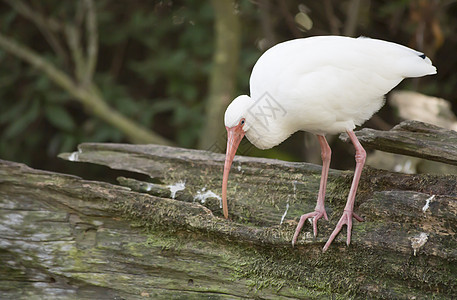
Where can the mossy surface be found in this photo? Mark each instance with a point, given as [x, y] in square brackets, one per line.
[136, 241]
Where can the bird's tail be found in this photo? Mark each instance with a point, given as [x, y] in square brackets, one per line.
[416, 65]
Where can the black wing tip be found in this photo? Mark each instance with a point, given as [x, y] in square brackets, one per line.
[422, 56]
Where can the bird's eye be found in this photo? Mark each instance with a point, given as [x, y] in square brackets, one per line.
[242, 121]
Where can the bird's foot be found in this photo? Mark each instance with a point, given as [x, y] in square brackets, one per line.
[346, 218]
[316, 215]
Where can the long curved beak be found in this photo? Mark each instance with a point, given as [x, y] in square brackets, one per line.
[234, 136]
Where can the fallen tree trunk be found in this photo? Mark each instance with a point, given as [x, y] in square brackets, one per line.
[64, 237]
[413, 138]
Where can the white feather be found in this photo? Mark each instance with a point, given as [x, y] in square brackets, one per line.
[326, 84]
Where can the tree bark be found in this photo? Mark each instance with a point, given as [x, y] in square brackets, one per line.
[63, 237]
[223, 74]
[413, 138]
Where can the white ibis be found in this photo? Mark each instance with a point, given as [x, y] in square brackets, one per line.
[323, 85]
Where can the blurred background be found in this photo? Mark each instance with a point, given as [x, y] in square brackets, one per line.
[164, 71]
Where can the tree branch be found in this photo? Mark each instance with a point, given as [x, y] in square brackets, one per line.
[73, 39]
[92, 42]
[46, 26]
[87, 96]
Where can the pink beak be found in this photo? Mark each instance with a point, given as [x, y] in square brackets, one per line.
[234, 136]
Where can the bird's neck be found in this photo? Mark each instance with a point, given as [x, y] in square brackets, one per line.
[264, 137]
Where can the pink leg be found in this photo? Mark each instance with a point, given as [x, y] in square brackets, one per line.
[348, 213]
[319, 211]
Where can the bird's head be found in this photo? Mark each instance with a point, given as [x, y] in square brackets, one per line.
[237, 124]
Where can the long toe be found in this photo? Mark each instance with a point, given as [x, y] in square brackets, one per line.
[343, 220]
[346, 219]
[316, 215]
[357, 217]
[303, 218]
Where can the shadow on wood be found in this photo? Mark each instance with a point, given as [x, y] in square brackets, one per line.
[63, 237]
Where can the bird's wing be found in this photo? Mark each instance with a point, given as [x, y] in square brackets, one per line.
[341, 79]
[368, 59]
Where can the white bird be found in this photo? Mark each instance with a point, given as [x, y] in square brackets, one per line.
[323, 85]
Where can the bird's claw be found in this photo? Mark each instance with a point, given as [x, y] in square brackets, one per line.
[346, 218]
[316, 215]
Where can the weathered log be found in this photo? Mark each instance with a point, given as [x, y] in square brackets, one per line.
[64, 237]
[413, 138]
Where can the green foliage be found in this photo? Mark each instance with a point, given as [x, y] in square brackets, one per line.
[155, 59]
[59, 117]
[153, 67]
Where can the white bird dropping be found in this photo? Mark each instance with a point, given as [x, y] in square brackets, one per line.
[285, 213]
[205, 194]
[73, 156]
[427, 204]
[174, 188]
[418, 241]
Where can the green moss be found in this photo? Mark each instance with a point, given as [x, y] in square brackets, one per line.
[250, 265]
[260, 256]
[77, 257]
[302, 272]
